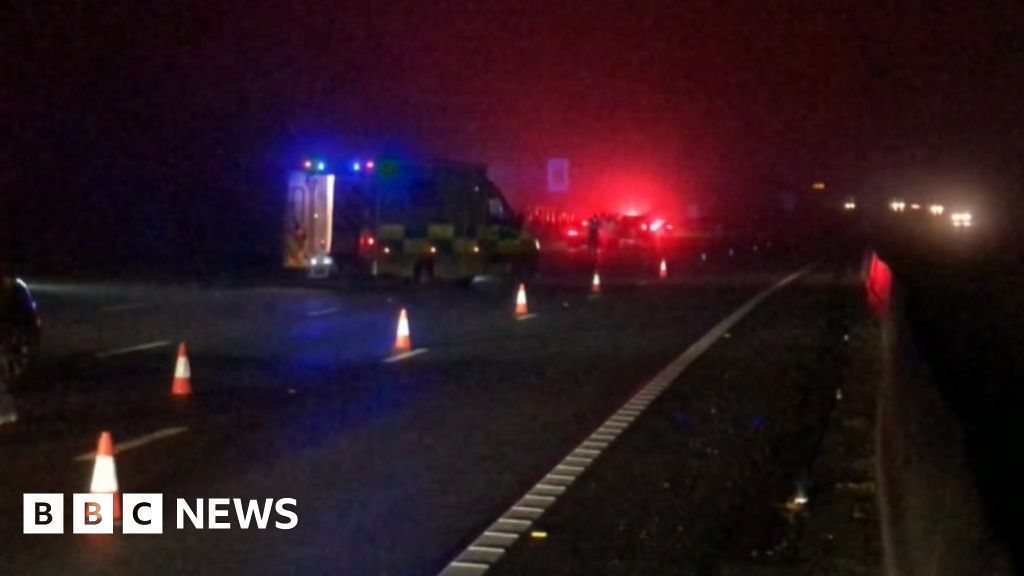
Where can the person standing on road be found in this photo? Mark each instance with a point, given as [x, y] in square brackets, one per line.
[593, 236]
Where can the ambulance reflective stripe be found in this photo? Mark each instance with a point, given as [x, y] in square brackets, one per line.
[441, 237]
[441, 231]
[387, 232]
[401, 240]
[466, 246]
[450, 249]
[506, 247]
[415, 246]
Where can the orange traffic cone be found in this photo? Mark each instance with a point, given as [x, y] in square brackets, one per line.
[104, 472]
[521, 309]
[595, 284]
[402, 341]
[663, 269]
[182, 385]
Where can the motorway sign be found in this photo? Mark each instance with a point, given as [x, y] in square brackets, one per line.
[558, 175]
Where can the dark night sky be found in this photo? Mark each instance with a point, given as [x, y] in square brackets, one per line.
[162, 120]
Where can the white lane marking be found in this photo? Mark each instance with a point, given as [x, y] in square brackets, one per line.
[548, 490]
[130, 349]
[137, 442]
[514, 521]
[324, 312]
[465, 569]
[513, 525]
[123, 307]
[524, 513]
[482, 553]
[529, 316]
[486, 553]
[404, 355]
[566, 471]
[507, 536]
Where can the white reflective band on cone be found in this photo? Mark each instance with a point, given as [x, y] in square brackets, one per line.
[104, 476]
[182, 368]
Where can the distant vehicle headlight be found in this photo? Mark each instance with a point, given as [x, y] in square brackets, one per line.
[961, 219]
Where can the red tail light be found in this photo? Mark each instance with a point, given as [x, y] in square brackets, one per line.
[879, 285]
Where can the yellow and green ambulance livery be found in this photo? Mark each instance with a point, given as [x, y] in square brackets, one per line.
[426, 221]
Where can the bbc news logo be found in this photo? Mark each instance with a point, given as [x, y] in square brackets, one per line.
[144, 513]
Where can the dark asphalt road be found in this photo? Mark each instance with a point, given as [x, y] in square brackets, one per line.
[700, 484]
[396, 467]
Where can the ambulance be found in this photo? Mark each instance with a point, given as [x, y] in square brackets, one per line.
[416, 220]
